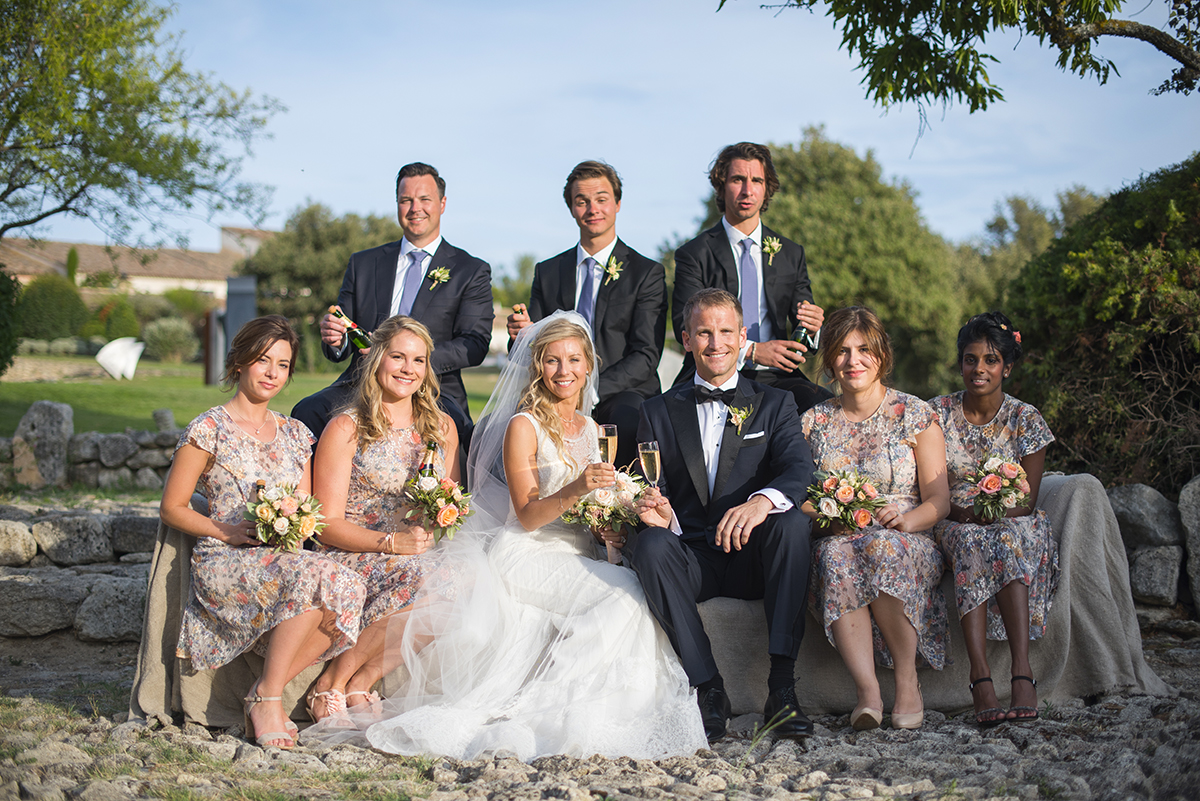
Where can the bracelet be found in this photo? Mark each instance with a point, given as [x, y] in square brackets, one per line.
[389, 542]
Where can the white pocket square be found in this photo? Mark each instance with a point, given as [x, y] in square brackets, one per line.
[755, 435]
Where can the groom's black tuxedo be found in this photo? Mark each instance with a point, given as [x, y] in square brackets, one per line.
[458, 314]
[678, 572]
[630, 321]
[707, 262]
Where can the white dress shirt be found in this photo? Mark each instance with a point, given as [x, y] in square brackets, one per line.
[404, 264]
[581, 271]
[765, 332]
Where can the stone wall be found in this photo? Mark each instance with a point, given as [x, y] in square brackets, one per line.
[1162, 542]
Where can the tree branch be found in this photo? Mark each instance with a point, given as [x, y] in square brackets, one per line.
[1066, 36]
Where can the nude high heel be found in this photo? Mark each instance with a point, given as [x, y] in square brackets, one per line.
[909, 720]
[249, 702]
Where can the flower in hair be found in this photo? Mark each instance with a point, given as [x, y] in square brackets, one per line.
[1017, 336]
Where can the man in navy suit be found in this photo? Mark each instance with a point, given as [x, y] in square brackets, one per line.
[735, 470]
[620, 292]
[423, 276]
[765, 271]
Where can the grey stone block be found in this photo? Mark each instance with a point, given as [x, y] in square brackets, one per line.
[85, 473]
[1145, 516]
[74, 539]
[168, 439]
[144, 439]
[164, 419]
[37, 603]
[5, 449]
[1189, 513]
[84, 447]
[40, 444]
[1154, 574]
[132, 533]
[148, 457]
[116, 448]
[116, 477]
[146, 478]
[113, 611]
[17, 545]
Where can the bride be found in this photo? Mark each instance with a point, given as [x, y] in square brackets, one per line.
[522, 640]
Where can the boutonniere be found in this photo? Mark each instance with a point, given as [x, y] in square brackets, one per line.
[771, 246]
[738, 415]
[613, 268]
[439, 275]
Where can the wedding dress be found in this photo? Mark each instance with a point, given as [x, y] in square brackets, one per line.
[529, 642]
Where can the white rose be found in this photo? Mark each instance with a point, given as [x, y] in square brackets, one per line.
[427, 484]
[274, 494]
[604, 496]
[625, 483]
[993, 464]
[280, 525]
[625, 498]
[828, 507]
[1009, 501]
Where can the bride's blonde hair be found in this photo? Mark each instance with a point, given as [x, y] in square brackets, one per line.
[537, 400]
[371, 421]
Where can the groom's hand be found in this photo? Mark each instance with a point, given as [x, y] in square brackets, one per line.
[735, 527]
[654, 509]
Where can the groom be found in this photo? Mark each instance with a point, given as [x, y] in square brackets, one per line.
[735, 469]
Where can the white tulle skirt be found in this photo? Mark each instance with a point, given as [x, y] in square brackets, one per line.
[529, 644]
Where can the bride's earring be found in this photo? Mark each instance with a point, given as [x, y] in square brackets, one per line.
[421, 391]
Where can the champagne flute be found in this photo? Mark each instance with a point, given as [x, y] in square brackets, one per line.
[651, 463]
[608, 443]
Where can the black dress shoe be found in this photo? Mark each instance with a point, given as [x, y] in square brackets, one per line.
[779, 704]
[714, 712]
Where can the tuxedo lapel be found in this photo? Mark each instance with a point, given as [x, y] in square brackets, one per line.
[718, 242]
[566, 280]
[732, 438]
[442, 258]
[609, 286]
[385, 285]
[681, 409]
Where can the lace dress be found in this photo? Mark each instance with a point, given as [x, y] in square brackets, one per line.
[850, 570]
[546, 649]
[987, 558]
[239, 594]
[378, 474]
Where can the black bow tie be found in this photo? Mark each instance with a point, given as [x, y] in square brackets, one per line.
[704, 395]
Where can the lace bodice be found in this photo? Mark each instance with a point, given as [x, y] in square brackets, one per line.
[554, 471]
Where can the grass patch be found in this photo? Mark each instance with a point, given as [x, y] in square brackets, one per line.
[92, 699]
[108, 406]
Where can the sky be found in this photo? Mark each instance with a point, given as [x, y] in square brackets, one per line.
[504, 98]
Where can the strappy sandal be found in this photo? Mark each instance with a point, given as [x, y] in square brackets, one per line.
[249, 702]
[334, 701]
[372, 703]
[980, 719]
[1024, 713]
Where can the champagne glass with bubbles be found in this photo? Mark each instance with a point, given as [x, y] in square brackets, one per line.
[651, 463]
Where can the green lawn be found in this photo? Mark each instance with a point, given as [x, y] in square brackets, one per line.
[108, 405]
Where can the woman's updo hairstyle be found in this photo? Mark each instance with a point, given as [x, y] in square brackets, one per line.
[995, 329]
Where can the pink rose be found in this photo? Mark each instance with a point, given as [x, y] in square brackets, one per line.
[870, 491]
[830, 484]
[1009, 470]
[844, 494]
[1023, 486]
[288, 506]
[862, 518]
[447, 484]
[991, 484]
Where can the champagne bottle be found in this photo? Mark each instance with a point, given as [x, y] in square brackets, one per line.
[358, 337]
[802, 335]
[260, 487]
[428, 467]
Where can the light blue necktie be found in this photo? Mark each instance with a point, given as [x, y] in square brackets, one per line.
[412, 281]
[587, 293]
[749, 277]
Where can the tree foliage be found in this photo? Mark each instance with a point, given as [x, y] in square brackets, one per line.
[100, 118]
[514, 285]
[10, 293]
[50, 308]
[931, 51]
[1110, 316]
[300, 270]
[866, 244]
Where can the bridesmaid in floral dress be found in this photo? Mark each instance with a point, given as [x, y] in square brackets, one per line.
[294, 608]
[877, 589]
[1005, 570]
[364, 458]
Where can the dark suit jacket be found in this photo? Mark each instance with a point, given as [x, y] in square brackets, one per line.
[630, 321]
[458, 313]
[770, 452]
[707, 262]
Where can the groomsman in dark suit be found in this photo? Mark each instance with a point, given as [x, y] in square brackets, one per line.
[620, 292]
[423, 276]
[735, 470]
[764, 270]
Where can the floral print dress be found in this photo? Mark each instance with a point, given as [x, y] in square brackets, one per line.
[850, 570]
[375, 501]
[987, 558]
[240, 593]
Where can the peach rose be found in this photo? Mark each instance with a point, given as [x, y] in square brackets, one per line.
[447, 516]
[308, 524]
[991, 484]
[266, 513]
[870, 491]
[829, 484]
[288, 506]
[862, 518]
[844, 494]
[447, 484]
[1009, 470]
[1023, 486]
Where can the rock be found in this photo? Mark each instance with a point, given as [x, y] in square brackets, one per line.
[144, 439]
[17, 545]
[146, 478]
[14, 513]
[1154, 574]
[168, 439]
[1189, 513]
[148, 457]
[113, 611]
[132, 533]
[5, 449]
[37, 603]
[1145, 516]
[74, 540]
[164, 419]
[40, 444]
[116, 448]
[55, 754]
[85, 473]
[100, 790]
[119, 477]
[84, 447]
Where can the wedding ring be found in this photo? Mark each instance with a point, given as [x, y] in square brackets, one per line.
[740, 526]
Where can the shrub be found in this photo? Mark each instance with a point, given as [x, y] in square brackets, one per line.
[50, 308]
[192, 304]
[65, 346]
[149, 308]
[33, 347]
[170, 340]
[10, 293]
[1110, 317]
[121, 321]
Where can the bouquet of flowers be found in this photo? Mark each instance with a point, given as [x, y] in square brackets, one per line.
[999, 485]
[609, 506]
[439, 503]
[843, 496]
[284, 518]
